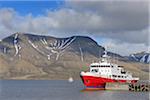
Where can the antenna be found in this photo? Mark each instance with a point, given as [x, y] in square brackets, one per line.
[99, 54]
[111, 60]
[117, 55]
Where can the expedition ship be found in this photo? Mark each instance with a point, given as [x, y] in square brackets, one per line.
[103, 72]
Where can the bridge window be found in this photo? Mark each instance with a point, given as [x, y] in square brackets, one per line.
[114, 75]
[94, 70]
[123, 72]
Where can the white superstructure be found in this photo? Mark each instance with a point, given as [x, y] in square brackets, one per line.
[106, 69]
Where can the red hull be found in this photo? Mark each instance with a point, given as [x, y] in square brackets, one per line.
[98, 82]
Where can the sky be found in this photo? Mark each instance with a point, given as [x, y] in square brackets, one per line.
[120, 26]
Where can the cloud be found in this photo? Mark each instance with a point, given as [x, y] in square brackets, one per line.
[137, 36]
[126, 23]
[124, 48]
[116, 15]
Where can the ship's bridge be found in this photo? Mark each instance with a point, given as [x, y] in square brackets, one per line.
[101, 68]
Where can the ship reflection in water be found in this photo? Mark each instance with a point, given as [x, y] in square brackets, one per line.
[60, 90]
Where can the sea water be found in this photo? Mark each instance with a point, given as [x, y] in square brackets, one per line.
[60, 90]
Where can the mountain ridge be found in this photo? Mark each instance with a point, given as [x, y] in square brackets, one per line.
[27, 56]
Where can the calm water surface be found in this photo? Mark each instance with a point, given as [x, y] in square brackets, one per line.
[60, 90]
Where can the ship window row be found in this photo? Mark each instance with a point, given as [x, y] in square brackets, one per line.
[101, 66]
[119, 76]
[96, 70]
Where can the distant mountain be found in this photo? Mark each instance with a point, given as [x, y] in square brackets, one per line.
[140, 57]
[28, 56]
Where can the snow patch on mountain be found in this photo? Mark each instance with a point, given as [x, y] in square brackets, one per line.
[132, 56]
[142, 57]
[16, 44]
[53, 48]
[148, 59]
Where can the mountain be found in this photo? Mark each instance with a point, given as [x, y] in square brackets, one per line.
[28, 56]
[142, 57]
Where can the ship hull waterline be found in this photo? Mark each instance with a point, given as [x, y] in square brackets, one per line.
[99, 83]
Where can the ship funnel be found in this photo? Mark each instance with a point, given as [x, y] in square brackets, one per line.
[105, 57]
[105, 54]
